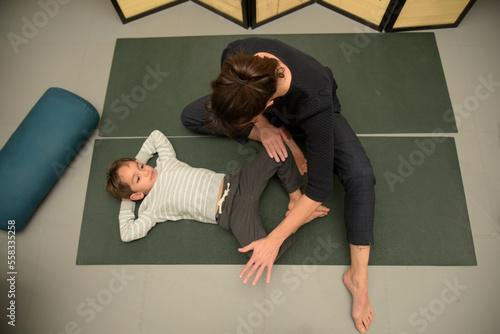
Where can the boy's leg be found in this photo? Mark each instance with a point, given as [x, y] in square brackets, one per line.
[245, 222]
[246, 226]
[256, 174]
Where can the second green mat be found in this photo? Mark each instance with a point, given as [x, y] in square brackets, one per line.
[421, 215]
[388, 83]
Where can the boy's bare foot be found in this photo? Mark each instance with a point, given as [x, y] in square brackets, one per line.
[299, 157]
[321, 211]
[362, 311]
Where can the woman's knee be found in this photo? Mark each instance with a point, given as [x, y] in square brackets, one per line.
[189, 120]
[194, 116]
[360, 175]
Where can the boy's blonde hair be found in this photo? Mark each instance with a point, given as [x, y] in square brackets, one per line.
[114, 186]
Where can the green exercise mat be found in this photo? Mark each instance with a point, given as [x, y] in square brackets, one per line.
[421, 214]
[388, 83]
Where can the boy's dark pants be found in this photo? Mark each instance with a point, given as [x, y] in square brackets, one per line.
[240, 210]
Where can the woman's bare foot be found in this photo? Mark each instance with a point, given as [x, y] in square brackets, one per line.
[362, 311]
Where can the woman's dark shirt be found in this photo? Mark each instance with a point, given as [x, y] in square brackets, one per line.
[309, 104]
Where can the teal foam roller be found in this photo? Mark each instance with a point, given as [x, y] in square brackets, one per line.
[39, 151]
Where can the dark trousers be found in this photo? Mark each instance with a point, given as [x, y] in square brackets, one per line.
[355, 173]
[351, 164]
[240, 210]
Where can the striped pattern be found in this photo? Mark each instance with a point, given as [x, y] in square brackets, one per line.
[180, 192]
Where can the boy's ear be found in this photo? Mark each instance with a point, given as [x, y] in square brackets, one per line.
[136, 196]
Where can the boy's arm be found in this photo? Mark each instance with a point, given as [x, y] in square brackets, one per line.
[131, 228]
[157, 142]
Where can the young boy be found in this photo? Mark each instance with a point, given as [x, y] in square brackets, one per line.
[177, 191]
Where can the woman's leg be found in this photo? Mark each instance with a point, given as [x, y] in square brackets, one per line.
[195, 117]
[356, 175]
[356, 281]
[353, 167]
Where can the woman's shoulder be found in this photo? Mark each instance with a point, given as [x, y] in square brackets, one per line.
[252, 45]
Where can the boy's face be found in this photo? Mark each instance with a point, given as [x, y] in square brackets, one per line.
[139, 177]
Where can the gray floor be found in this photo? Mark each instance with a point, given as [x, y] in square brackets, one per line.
[73, 50]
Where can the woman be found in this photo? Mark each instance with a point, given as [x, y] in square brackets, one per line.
[267, 88]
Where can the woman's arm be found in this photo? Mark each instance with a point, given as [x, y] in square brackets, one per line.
[265, 250]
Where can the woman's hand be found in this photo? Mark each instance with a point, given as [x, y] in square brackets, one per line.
[264, 253]
[266, 250]
[271, 137]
